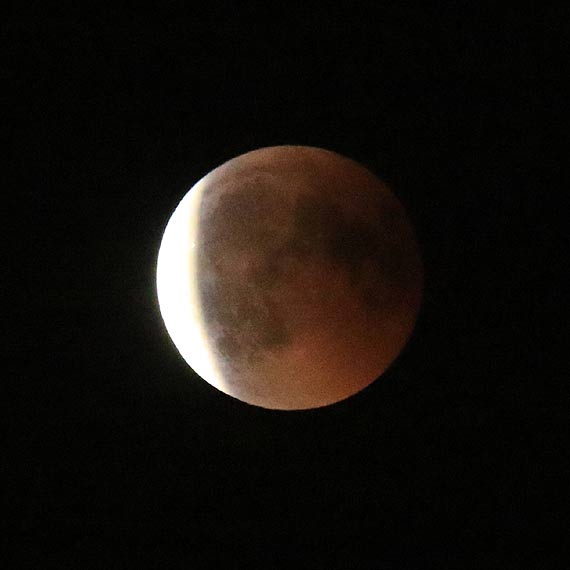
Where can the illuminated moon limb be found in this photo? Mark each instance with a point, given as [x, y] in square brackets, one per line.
[177, 287]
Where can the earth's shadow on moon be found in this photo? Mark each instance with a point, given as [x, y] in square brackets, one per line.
[265, 249]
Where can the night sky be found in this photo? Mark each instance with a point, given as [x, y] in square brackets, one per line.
[118, 455]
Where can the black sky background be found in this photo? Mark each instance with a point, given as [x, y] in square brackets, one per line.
[117, 455]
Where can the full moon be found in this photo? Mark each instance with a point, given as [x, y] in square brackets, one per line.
[289, 277]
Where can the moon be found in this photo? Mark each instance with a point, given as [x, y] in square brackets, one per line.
[289, 277]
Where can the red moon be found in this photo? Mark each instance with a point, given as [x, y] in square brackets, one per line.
[289, 277]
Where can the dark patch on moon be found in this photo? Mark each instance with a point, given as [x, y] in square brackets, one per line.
[237, 271]
[322, 229]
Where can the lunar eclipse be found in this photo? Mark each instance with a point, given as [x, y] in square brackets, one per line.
[289, 277]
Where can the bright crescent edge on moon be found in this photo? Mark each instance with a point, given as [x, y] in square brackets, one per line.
[177, 287]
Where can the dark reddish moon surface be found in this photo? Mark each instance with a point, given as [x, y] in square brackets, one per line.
[289, 277]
